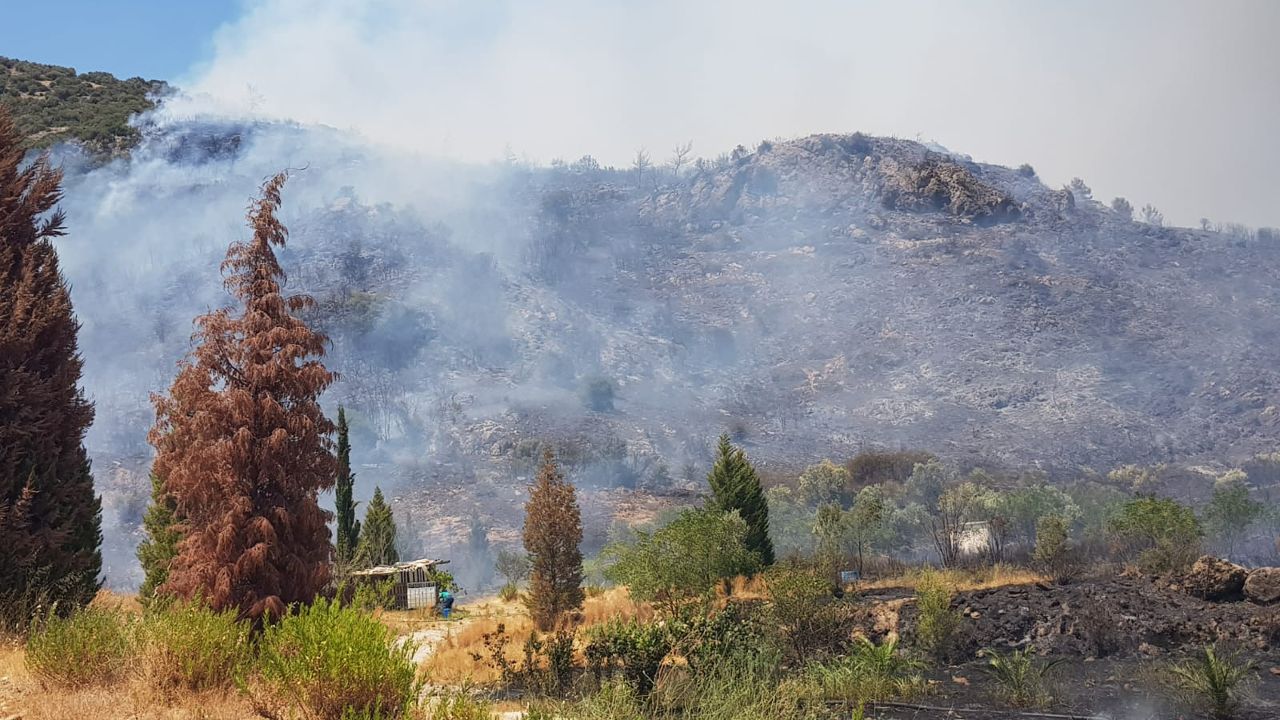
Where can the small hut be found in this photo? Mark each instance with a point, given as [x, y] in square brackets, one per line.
[413, 582]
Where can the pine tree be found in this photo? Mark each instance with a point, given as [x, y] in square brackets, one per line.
[157, 551]
[735, 486]
[552, 536]
[50, 518]
[243, 444]
[378, 536]
[345, 507]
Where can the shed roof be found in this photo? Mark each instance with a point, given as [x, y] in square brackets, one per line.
[423, 564]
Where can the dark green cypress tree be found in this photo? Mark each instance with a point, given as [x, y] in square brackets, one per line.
[378, 535]
[156, 552]
[735, 486]
[345, 507]
[50, 517]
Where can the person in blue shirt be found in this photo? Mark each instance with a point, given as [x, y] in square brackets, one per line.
[446, 603]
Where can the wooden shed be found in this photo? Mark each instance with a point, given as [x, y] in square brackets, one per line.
[413, 586]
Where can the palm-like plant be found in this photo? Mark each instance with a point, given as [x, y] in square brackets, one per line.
[1023, 681]
[1213, 680]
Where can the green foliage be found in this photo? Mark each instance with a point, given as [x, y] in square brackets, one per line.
[1231, 511]
[94, 646]
[936, 623]
[546, 667]
[824, 482]
[160, 547]
[870, 673]
[735, 486]
[329, 661]
[51, 104]
[790, 521]
[348, 528]
[187, 646]
[377, 535]
[630, 649]
[509, 592]
[1163, 533]
[883, 466]
[1213, 681]
[1023, 681]
[1052, 554]
[684, 559]
[811, 622]
[512, 566]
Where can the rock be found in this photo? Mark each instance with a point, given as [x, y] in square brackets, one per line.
[1263, 585]
[1212, 578]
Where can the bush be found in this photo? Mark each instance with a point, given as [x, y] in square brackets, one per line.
[811, 621]
[1212, 681]
[597, 394]
[459, 706]
[509, 593]
[546, 668]
[1053, 556]
[94, 646]
[1162, 533]
[937, 623]
[330, 661]
[1023, 681]
[190, 647]
[870, 673]
[630, 648]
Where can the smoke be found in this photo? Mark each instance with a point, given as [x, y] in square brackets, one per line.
[1163, 102]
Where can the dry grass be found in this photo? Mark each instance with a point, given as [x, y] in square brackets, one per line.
[451, 661]
[962, 580]
[110, 600]
[22, 696]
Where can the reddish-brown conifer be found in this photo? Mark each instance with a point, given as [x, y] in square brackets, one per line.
[242, 443]
[50, 519]
[552, 536]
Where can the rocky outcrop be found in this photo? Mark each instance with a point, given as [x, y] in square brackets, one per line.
[1263, 586]
[1212, 578]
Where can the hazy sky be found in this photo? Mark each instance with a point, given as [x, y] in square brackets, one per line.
[1172, 103]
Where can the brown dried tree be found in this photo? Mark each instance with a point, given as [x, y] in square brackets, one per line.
[552, 535]
[50, 519]
[242, 443]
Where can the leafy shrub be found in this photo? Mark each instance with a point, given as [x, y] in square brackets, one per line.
[94, 646]
[1212, 681]
[684, 559]
[937, 623]
[547, 665]
[187, 646]
[870, 673]
[597, 394]
[1023, 681]
[741, 628]
[509, 593]
[1053, 555]
[630, 648]
[1162, 533]
[811, 621]
[330, 661]
[1026, 171]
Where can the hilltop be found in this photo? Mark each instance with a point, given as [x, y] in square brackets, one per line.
[53, 104]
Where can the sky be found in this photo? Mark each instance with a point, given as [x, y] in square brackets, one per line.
[1169, 102]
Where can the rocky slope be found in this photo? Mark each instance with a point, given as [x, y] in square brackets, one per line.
[812, 297]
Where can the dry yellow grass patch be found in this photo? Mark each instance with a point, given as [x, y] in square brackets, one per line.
[961, 580]
[451, 662]
[111, 600]
[23, 696]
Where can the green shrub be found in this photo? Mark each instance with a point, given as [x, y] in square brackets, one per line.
[547, 666]
[629, 647]
[937, 623]
[509, 592]
[811, 621]
[1212, 681]
[331, 661]
[1022, 681]
[1163, 534]
[94, 646]
[870, 673]
[187, 646]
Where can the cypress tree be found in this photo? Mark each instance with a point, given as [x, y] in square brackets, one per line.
[242, 442]
[735, 486]
[50, 518]
[378, 536]
[348, 527]
[552, 536]
[157, 551]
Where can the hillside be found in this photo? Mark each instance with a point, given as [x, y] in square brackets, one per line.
[53, 104]
[813, 297]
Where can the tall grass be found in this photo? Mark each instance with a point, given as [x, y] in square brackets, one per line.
[94, 646]
[1022, 681]
[331, 662]
[937, 623]
[869, 673]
